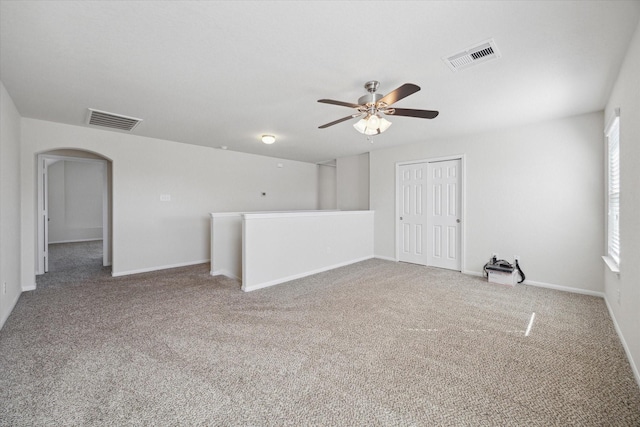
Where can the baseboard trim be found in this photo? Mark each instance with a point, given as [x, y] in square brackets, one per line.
[634, 368]
[225, 273]
[301, 275]
[29, 288]
[158, 268]
[564, 288]
[76, 241]
[6, 315]
[472, 273]
[385, 258]
[548, 286]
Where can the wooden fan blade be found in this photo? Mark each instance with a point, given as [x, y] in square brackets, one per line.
[408, 112]
[343, 104]
[338, 121]
[402, 92]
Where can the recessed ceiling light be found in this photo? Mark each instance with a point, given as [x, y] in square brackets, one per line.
[268, 139]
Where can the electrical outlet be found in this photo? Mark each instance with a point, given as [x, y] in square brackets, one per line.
[516, 258]
[4, 288]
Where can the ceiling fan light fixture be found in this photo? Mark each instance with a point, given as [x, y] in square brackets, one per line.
[384, 124]
[361, 125]
[268, 139]
[373, 124]
[363, 128]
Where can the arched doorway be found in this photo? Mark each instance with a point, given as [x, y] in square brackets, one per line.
[83, 212]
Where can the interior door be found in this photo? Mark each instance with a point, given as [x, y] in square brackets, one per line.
[412, 182]
[444, 201]
[43, 216]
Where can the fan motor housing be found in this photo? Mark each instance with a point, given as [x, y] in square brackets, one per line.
[370, 98]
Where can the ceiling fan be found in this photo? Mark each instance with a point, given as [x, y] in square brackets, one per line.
[372, 105]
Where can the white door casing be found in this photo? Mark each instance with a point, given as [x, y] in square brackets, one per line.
[42, 263]
[444, 200]
[412, 184]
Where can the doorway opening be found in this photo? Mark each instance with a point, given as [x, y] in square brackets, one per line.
[74, 226]
[429, 212]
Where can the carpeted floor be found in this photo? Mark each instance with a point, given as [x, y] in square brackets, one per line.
[374, 343]
[74, 262]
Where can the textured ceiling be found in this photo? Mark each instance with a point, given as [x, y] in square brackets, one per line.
[222, 73]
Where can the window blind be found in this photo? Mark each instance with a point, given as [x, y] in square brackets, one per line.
[613, 226]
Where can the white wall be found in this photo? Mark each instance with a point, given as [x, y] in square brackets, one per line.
[151, 234]
[533, 191]
[75, 200]
[626, 310]
[327, 187]
[306, 243]
[226, 244]
[10, 287]
[352, 175]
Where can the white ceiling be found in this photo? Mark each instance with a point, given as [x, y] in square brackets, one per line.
[221, 73]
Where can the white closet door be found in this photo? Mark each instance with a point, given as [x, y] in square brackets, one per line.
[443, 214]
[412, 185]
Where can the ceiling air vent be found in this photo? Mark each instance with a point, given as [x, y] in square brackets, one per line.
[110, 120]
[474, 55]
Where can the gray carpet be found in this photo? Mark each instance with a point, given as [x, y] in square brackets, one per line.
[376, 343]
[73, 262]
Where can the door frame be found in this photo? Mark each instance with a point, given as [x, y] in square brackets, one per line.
[463, 195]
[43, 160]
